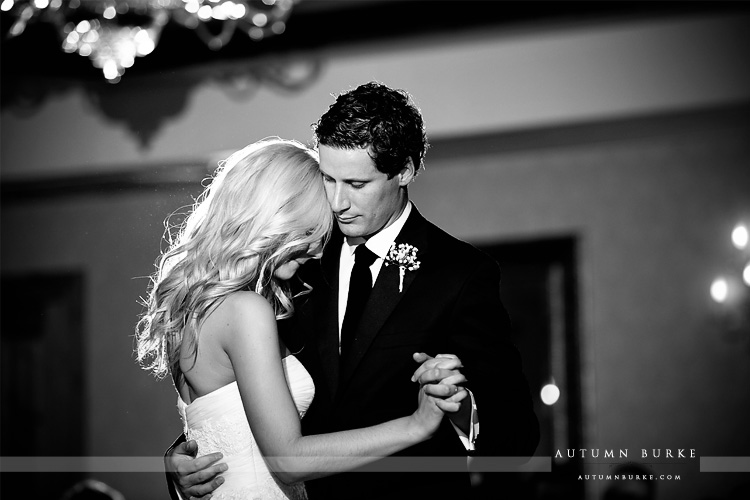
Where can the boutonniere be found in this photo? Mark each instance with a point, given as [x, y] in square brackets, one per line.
[404, 256]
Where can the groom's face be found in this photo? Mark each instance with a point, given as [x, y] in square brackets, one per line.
[363, 199]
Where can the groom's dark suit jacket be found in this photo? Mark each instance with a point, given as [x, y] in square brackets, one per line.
[451, 304]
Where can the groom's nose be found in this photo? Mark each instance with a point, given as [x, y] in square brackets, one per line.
[339, 199]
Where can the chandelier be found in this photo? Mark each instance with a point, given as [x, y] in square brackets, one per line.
[113, 33]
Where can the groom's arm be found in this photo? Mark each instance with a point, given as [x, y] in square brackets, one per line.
[170, 483]
[479, 333]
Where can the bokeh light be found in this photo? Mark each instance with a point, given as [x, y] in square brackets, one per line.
[550, 393]
[719, 290]
[740, 236]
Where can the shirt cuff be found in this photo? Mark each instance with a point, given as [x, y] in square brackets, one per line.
[470, 440]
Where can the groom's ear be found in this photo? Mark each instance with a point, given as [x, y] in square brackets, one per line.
[407, 174]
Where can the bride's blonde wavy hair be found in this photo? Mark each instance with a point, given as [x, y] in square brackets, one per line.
[265, 204]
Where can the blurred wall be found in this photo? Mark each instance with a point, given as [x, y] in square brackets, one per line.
[651, 213]
[652, 210]
[466, 84]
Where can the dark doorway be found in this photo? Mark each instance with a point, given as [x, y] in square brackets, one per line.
[42, 391]
[539, 289]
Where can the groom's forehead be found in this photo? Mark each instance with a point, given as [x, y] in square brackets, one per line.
[342, 163]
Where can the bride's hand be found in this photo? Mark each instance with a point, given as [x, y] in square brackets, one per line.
[452, 403]
[431, 410]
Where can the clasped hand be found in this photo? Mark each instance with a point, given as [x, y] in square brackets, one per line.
[439, 380]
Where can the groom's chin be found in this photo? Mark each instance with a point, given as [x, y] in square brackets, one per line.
[350, 230]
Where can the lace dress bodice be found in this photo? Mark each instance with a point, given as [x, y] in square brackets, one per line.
[217, 422]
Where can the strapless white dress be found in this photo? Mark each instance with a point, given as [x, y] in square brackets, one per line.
[217, 422]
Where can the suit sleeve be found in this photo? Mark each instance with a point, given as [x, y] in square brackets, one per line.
[480, 332]
[170, 484]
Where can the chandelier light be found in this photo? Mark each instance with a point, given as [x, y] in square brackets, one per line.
[112, 33]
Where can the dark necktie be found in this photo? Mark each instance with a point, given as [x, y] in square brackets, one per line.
[360, 286]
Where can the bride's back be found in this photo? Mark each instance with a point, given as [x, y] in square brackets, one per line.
[208, 367]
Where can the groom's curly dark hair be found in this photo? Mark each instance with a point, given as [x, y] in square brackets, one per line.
[380, 118]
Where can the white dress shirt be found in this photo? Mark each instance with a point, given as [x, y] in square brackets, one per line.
[379, 244]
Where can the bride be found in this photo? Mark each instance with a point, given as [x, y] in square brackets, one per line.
[211, 318]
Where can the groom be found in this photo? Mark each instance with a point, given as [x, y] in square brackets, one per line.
[430, 293]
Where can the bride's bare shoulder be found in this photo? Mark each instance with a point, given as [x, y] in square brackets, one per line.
[240, 310]
[244, 299]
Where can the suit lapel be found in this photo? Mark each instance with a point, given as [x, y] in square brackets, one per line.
[385, 294]
[327, 329]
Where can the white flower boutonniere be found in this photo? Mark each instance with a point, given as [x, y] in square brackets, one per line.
[404, 256]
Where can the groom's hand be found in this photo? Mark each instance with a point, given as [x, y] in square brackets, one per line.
[194, 478]
[438, 374]
[441, 378]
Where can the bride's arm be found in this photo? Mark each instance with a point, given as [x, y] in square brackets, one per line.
[249, 337]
